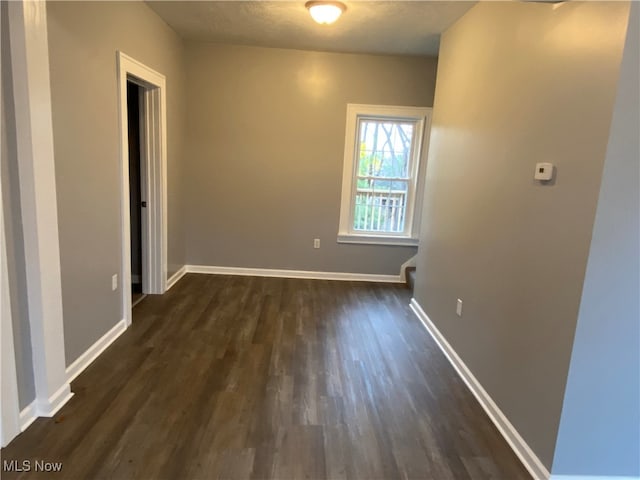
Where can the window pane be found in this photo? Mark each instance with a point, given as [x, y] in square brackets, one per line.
[383, 145]
[385, 148]
[380, 205]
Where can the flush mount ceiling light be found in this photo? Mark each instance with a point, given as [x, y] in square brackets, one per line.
[325, 12]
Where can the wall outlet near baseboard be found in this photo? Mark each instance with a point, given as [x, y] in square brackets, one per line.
[114, 282]
[316, 243]
[459, 308]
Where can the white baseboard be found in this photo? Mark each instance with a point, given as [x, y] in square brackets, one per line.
[49, 407]
[27, 416]
[528, 458]
[173, 279]
[84, 360]
[403, 268]
[267, 272]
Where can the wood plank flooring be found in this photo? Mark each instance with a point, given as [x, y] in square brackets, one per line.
[269, 378]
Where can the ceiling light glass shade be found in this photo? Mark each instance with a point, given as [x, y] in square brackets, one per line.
[325, 12]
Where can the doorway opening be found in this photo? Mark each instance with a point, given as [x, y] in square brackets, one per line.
[137, 195]
[143, 167]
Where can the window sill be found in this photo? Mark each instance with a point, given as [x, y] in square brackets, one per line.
[378, 240]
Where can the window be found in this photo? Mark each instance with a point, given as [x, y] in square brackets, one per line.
[381, 183]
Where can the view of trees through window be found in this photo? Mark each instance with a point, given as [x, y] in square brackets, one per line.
[383, 175]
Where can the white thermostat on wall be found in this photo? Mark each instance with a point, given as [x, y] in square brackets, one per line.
[544, 171]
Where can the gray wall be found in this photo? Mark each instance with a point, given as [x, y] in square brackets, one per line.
[83, 39]
[13, 226]
[518, 83]
[600, 424]
[265, 151]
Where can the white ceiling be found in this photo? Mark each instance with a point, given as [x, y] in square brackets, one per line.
[384, 27]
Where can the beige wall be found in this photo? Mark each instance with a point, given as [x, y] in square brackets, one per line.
[265, 150]
[83, 40]
[518, 83]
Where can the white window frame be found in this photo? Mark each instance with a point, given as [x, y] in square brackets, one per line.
[355, 113]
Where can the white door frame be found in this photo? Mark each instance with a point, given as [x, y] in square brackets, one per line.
[154, 186]
[38, 201]
[9, 403]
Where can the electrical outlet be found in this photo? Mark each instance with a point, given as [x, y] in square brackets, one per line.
[459, 308]
[544, 172]
[114, 282]
[316, 243]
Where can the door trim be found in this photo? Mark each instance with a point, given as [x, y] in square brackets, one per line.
[38, 202]
[10, 409]
[9, 403]
[154, 164]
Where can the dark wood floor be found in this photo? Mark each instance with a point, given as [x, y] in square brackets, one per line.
[239, 377]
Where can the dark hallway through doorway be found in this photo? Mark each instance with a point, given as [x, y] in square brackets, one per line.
[137, 203]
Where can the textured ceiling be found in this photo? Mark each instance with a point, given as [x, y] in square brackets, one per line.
[385, 27]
